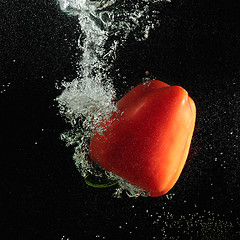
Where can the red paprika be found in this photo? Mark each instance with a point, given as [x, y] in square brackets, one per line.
[148, 141]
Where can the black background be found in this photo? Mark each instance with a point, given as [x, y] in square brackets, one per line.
[196, 46]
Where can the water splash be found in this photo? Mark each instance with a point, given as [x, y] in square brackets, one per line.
[90, 98]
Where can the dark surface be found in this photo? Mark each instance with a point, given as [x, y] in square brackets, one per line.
[42, 194]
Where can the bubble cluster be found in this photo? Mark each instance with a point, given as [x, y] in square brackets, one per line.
[4, 87]
[205, 225]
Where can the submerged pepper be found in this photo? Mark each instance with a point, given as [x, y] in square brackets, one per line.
[147, 142]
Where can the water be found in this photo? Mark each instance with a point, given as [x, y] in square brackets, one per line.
[90, 98]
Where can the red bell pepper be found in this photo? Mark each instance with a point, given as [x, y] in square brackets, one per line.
[147, 141]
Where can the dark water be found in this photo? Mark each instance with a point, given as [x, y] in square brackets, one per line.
[196, 46]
